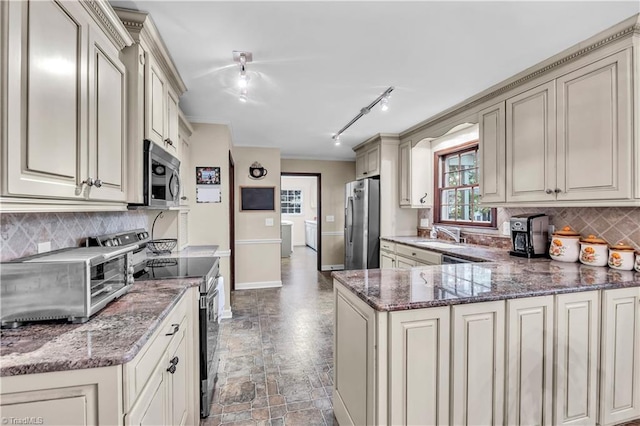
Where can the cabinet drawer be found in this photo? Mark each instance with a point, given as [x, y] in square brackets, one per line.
[387, 245]
[423, 256]
[138, 371]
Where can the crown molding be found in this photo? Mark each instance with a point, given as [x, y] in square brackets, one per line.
[107, 19]
[144, 31]
[626, 29]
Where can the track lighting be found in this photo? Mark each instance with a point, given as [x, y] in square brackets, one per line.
[242, 58]
[383, 99]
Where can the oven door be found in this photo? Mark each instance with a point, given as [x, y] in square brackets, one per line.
[208, 348]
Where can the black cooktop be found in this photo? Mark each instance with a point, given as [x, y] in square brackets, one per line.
[167, 268]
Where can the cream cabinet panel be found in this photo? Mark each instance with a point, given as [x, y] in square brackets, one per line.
[368, 161]
[156, 102]
[171, 142]
[477, 375]
[178, 383]
[531, 145]
[620, 351]
[387, 260]
[415, 172]
[529, 391]
[354, 357]
[404, 263]
[419, 367]
[151, 409]
[595, 130]
[361, 164]
[373, 161]
[107, 94]
[46, 89]
[577, 343]
[491, 153]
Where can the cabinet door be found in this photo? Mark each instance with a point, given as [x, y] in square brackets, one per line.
[576, 377]
[185, 171]
[531, 145]
[595, 130]
[387, 260]
[156, 108]
[178, 383]
[404, 173]
[491, 154]
[354, 355]
[404, 263]
[107, 139]
[529, 361]
[373, 161]
[620, 351]
[361, 165]
[150, 408]
[478, 364]
[171, 134]
[419, 367]
[46, 98]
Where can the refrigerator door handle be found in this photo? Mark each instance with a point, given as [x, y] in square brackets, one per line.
[350, 219]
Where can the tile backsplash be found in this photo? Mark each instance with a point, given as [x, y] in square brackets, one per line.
[20, 233]
[611, 223]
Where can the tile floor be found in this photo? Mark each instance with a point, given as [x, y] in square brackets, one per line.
[276, 352]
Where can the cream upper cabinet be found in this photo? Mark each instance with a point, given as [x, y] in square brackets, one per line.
[595, 130]
[185, 130]
[620, 352]
[415, 175]
[172, 142]
[576, 358]
[368, 161]
[529, 366]
[156, 116]
[477, 377]
[491, 153]
[531, 145]
[419, 367]
[65, 105]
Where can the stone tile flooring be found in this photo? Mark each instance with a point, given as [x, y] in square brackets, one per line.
[276, 364]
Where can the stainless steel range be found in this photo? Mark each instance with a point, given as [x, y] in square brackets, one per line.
[157, 268]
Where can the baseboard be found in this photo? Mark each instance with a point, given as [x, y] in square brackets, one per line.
[332, 267]
[226, 314]
[258, 284]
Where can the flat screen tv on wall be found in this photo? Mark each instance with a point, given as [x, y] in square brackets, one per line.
[257, 198]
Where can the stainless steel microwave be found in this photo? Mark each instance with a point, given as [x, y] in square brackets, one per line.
[161, 177]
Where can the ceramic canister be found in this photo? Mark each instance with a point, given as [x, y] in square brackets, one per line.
[594, 251]
[621, 256]
[565, 245]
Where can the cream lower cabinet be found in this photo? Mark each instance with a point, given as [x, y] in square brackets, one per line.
[65, 103]
[419, 367]
[529, 370]
[577, 342]
[387, 259]
[620, 356]
[477, 364]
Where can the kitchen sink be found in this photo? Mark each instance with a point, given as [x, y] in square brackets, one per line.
[439, 245]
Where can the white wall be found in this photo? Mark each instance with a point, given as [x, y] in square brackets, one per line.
[307, 184]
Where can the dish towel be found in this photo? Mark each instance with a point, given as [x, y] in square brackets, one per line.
[221, 299]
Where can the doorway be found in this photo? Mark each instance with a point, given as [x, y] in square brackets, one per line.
[300, 212]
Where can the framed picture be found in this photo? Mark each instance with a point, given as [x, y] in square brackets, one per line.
[207, 175]
[257, 198]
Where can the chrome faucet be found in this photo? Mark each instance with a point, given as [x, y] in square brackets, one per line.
[452, 232]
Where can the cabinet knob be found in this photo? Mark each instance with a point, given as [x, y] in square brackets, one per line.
[174, 360]
[172, 368]
[168, 141]
[97, 183]
[557, 190]
[88, 181]
[549, 191]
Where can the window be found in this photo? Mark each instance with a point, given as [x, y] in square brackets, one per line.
[291, 201]
[457, 188]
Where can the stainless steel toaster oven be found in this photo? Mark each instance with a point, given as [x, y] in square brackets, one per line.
[71, 284]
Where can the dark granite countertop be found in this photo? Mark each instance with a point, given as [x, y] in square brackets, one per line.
[113, 336]
[508, 278]
[467, 251]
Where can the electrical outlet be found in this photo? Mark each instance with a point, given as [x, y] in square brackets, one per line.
[506, 228]
[331, 219]
[44, 246]
[268, 221]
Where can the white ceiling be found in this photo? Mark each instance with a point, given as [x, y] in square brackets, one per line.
[316, 64]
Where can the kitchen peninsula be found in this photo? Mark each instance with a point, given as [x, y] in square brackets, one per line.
[513, 341]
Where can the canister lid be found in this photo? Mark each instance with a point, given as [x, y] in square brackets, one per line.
[592, 239]
[622, 246]
[567, 231]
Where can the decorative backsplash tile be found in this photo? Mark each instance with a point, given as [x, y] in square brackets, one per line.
[611, 223]
[20, 233]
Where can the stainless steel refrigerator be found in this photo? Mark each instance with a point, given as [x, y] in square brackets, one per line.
[362, 224]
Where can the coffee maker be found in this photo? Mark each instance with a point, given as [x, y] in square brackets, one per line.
[529, 235]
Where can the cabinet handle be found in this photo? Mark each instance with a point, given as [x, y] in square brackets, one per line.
[364, 173]
[184, 198]
[413, 254]
[172, 368]
[423, 198]
[176, 327]
[549, 191]
[167, 140]
[174, 360]
[97, 183]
